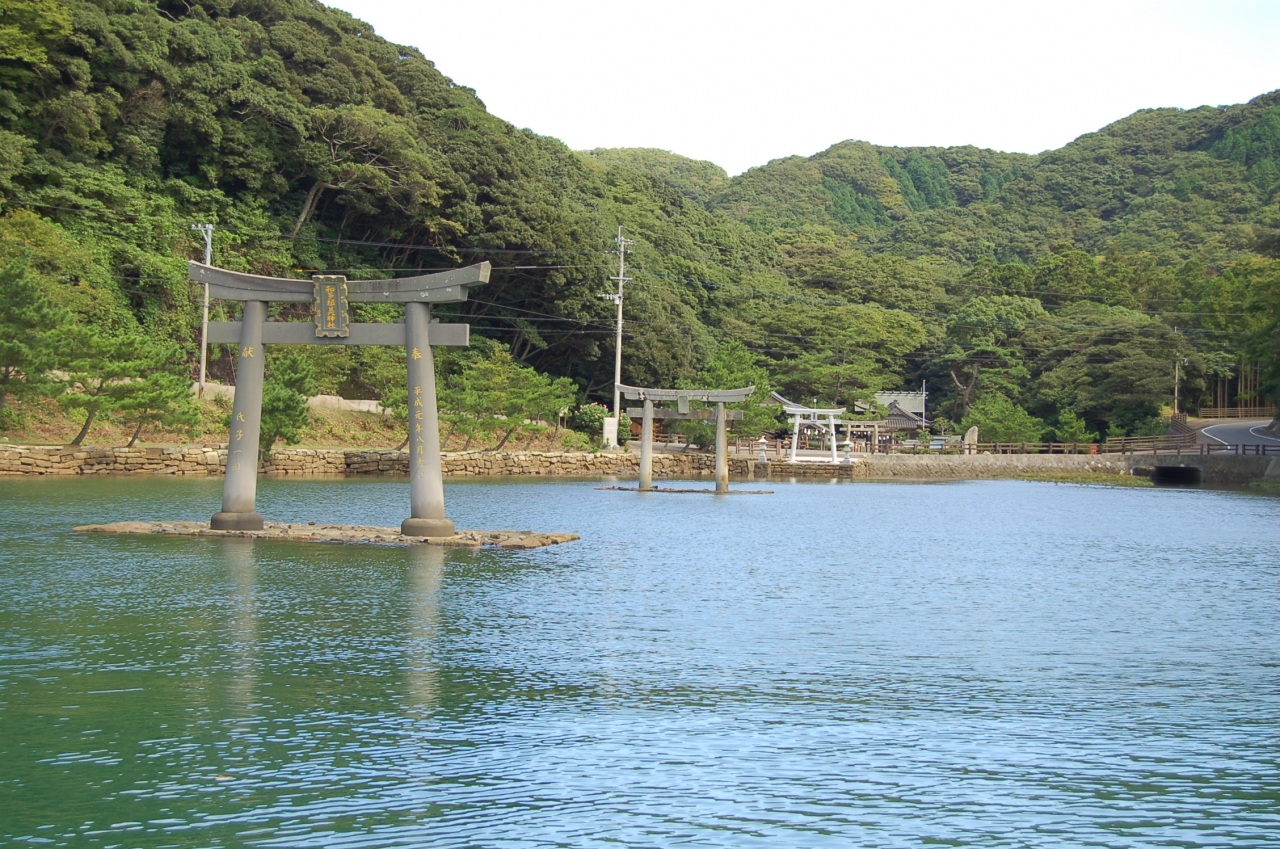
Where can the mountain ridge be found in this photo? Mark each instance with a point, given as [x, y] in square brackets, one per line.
[313, 144]
[877, 191]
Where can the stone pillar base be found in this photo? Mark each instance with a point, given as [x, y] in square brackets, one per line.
[236, 522]
[427, 528]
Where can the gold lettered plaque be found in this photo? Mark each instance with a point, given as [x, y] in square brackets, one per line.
[331, 306]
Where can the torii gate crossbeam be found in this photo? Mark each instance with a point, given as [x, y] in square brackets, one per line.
[330, 296]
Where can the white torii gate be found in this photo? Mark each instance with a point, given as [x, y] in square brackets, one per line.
[810, 415]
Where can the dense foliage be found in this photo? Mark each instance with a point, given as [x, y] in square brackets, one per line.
[1066, 284]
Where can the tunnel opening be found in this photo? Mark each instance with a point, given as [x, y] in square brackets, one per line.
[1177, 476]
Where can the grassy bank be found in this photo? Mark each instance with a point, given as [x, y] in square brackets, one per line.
[1088, 478]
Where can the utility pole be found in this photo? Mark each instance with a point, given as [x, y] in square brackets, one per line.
[924, 404]
[1178, 362]
[1175, 386]
[1175, 380]
[207, 230]
[617, 353]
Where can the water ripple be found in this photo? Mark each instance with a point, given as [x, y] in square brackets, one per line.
[1000, 664]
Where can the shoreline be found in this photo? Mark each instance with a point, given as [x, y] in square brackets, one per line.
[210, 460]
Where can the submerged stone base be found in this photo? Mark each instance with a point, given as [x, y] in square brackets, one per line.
[304, 532]
[702, 491]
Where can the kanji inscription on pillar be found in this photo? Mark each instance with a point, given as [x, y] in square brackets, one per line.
[331, 306]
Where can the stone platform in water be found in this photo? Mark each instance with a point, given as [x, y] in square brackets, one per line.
[312, 532]
[674, 490]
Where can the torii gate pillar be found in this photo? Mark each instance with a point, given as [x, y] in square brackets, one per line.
[426, 478]
[646, 447]
[722, 450]
[240, 488]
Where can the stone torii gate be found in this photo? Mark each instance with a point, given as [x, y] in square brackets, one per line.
[682, 397]
[329, 296]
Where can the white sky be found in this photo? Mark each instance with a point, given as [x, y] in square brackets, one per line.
[740, 83]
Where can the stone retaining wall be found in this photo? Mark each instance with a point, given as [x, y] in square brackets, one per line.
[994, 465]
[78, 460]
[212, 459]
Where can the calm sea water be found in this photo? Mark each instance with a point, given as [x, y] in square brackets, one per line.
[995, 664]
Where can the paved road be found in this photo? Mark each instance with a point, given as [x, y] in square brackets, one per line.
[1239, 432]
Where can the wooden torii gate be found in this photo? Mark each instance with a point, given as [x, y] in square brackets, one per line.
[329, 296]
[682, 397]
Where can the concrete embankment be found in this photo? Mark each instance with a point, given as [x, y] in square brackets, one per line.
[211, 460]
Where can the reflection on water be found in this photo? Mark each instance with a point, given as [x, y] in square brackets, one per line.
[241, 570]
[422, 676]
[987, 663]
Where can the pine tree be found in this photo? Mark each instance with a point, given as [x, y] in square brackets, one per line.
[1072, 428]
[290, 382]
[26, 317]
[162, 397]
[105, 373]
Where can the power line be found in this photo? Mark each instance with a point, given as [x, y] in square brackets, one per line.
[405, 246]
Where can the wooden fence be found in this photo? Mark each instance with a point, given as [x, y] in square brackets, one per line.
[1176, 445]
[1155, 445]
[1237, 412]
[1239, 450]
[1129, 445]
[1172, 443]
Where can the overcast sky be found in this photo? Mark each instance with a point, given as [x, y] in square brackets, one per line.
[740, 83]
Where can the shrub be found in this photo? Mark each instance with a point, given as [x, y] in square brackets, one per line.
[589, 418]
[1000, 420]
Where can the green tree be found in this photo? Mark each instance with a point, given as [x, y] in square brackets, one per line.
[984, 346]
[1072, 428]
[546, 400]
[495, 395]
[290, 381]
[102, 373]
[162, 398]
[836, 353]
[1262, 341]
[1000, 420]
[28, 29]
[121, 123]
[734, 367]
[26, 317]
[1110, 364]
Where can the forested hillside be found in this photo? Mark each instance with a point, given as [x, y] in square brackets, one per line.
[1057, 288]
[1176, 184]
